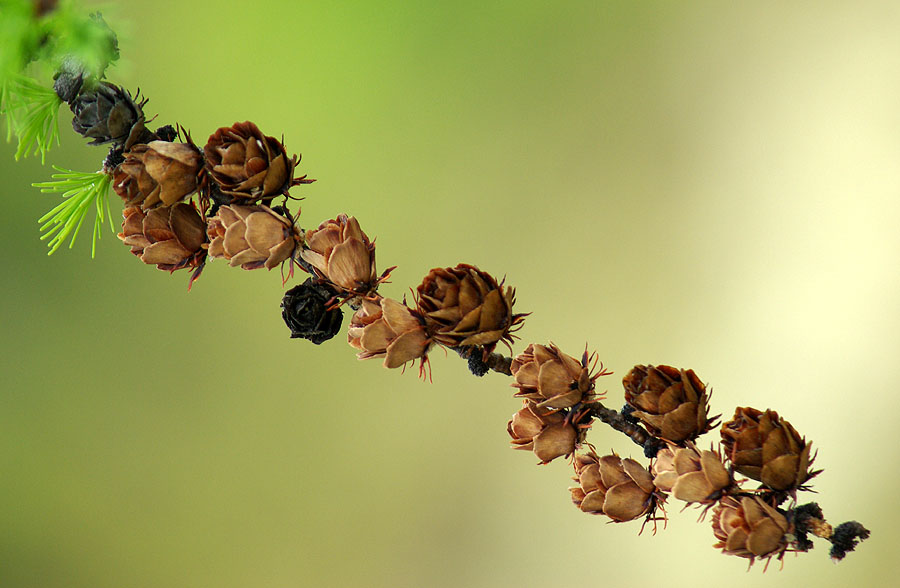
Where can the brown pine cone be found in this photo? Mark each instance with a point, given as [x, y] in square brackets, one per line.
[549, 434]
[390, 329]
[767, 448]
[748, 527]
[671, 403]
[690, 474]
[553, 379]
[341, 253]
[251, 236]
[158, 173]
[464, 306]
[172, 238]
[249, 166]
[622, 489]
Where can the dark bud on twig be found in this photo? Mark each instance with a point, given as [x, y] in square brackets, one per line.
[68, 81]
[628, 414]
[476, 364]
[480, 364]
[113, 159]
[652, 446]
[845, 538]
[804, 518]
[166, 133]
[305, 312]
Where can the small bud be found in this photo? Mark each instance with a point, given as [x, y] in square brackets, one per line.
[109, 115]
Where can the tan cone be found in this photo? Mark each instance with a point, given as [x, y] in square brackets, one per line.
[158, 173]
[248, 165]
[621, 489]
[765, 447]
[342, 254]
[465, 306]
[748, 527]
[544, 432]
[671, 403]
[388, 329]
[691, 474]
[553, 379]
[171, 238]
[251, 236]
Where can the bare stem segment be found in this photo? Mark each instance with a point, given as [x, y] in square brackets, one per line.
[621, 423]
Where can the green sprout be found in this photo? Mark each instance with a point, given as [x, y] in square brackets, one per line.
[5, 92]
[16, 35]
[79, 191]
[78, 37]
[33, 111]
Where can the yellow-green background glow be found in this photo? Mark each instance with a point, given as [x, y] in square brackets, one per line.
[708, 185]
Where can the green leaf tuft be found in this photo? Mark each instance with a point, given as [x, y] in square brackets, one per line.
[79, 191]
[34, 113]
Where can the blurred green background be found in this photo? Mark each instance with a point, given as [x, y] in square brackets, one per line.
[708, 185]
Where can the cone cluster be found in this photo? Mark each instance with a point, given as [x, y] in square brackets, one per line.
[170, 187]
[184, 205]
[671, 406]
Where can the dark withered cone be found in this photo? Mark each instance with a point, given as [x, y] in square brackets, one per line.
[306, 315]
[109, 114]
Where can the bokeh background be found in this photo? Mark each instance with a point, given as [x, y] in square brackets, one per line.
[705, 184]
